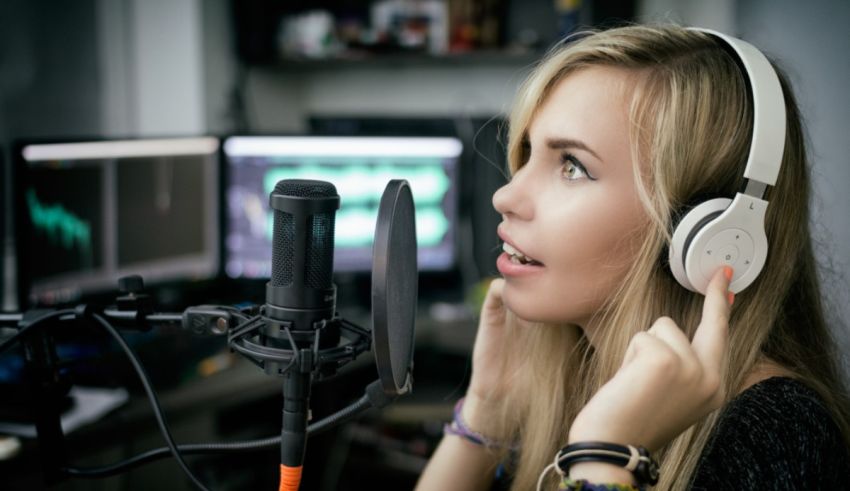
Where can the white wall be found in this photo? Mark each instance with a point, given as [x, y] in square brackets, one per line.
[151, 58]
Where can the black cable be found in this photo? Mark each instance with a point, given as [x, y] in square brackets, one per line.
[160, 418]
[207, 448]
[39, 320]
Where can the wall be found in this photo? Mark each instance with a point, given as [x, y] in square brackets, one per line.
[810, 41]
[152, 67]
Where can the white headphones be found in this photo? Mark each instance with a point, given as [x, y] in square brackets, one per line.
[721, 231]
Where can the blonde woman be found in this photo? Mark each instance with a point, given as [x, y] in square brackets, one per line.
[589, 338]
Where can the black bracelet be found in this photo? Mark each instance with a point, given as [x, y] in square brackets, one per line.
[634, 459]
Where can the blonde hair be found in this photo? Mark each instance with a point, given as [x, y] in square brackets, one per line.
[690, 128]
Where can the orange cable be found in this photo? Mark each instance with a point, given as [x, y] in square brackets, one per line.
[290, 478]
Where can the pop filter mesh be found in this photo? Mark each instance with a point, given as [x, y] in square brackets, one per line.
[395, 286]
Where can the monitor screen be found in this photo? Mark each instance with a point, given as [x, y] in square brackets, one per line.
[91, 212]
[5, 207]
[359, 168]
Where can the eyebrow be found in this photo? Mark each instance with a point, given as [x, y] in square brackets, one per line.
[563, 143]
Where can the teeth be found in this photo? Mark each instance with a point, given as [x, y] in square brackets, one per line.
[516, 256]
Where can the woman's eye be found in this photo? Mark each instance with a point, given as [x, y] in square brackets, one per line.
[573, 168]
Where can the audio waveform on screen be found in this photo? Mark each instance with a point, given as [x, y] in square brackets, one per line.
[62, 227]
[355, 226]
[364, 181]
[361, 183]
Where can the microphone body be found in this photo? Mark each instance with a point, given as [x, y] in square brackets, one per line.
[300, 300]
[300, 292]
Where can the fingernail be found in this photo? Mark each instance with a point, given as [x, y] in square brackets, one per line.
[728, 272]
[730, 297]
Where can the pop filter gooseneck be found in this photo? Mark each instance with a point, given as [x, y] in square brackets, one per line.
[395, 277]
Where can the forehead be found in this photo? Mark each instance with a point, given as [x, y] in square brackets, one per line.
[586, 104]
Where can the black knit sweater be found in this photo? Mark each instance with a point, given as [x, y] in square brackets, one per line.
[775, 435]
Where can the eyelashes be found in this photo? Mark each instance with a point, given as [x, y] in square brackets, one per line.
[573, 169]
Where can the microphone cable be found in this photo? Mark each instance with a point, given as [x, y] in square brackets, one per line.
[32, 325]
[160, 417]
[374, 397]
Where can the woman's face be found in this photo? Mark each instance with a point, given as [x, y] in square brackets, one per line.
[572, 209]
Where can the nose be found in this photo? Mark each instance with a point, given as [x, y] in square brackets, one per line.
[512, 198]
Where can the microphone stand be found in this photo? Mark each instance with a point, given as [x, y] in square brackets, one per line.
[297, 364]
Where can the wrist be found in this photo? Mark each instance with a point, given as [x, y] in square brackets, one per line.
[609, 462]
[476, 411]
[461, 427]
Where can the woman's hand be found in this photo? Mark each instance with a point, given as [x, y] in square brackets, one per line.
[666, 383]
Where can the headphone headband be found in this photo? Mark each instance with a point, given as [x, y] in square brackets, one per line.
[768, 141]
[724, 231]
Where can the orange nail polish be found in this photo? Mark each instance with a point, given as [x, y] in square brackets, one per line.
[728, 272]
[730, 297]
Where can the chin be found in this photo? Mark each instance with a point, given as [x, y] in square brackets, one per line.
[538, 309]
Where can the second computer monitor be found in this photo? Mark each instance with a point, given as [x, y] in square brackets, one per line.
[359, 168]
[90, 212]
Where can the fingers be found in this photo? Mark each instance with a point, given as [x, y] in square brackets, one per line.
[711, 338]
[668, 331]
[493, 300]
[667, 344]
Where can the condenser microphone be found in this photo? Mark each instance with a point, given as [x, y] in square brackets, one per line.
[300, 294]
[300, 301]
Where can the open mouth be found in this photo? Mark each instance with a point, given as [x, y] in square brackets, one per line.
[518, 257]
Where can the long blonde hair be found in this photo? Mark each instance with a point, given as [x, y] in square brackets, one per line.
[690, 128]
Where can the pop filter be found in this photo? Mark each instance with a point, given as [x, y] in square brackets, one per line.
[395, 278]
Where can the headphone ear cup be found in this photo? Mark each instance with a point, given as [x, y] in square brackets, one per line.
[687, 228]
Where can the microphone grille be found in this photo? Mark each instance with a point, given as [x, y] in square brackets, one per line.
[305, 188]
[283, 249]
[318, 263]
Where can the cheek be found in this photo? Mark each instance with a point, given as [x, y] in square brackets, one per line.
[588, 258]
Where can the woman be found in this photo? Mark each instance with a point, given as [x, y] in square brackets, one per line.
[588, 337]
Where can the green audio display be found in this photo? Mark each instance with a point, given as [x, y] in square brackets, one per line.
[365, 179]
[63, 228]
[360, 186]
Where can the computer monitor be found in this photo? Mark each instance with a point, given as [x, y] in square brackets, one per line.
[359, 168]
[5, 207]
[89, 212]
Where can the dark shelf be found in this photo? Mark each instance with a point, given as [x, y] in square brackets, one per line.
[358, 60]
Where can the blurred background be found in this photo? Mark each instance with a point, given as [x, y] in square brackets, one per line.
[196, 105]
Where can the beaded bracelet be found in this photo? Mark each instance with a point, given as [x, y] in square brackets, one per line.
[568, 484]
[459, 427]
[637, 460]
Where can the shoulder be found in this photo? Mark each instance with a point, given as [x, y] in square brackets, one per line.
[777, 433]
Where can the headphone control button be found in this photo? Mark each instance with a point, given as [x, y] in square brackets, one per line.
[728, 255]
[732, 247]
